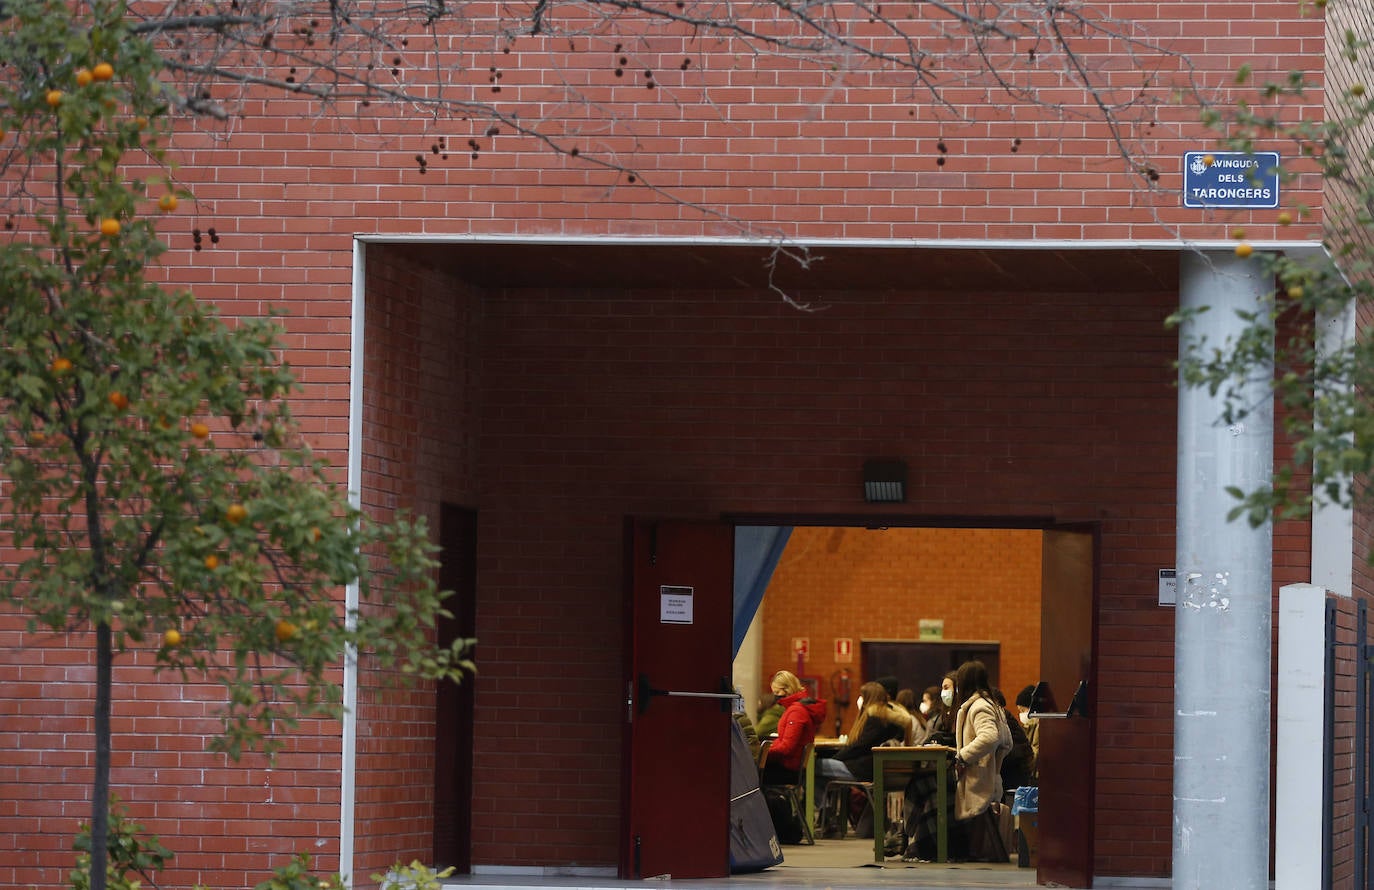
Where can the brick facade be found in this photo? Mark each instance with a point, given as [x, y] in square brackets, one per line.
[1027, 383]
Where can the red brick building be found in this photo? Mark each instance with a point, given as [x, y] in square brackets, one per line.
[532, 350]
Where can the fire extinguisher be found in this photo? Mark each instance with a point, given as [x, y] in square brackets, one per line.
[839, 691]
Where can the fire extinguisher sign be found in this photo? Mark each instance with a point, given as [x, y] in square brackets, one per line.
[844, 650]
[801, 646]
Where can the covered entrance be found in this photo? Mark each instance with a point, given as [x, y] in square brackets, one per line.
[557, 388]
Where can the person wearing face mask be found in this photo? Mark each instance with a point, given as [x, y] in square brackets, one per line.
[801, 718]
[876, 724]
[939, 716]
[982, 740]
[919, 813]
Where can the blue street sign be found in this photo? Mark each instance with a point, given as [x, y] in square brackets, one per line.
[1230, 179]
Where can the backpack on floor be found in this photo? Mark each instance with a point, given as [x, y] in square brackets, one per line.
[785, 822]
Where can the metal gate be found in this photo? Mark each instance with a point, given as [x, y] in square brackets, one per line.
[1360, 668]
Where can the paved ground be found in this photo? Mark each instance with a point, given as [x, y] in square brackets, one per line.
[830, 864]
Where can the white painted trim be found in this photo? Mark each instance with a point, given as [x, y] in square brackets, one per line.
[1300, 729]
[1302, 247]
[1333, 525]
[348, 781]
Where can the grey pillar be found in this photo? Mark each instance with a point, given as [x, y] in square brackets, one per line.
[1222, 620]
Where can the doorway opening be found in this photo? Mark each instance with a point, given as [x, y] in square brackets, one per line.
[841, 594]
[846, 604]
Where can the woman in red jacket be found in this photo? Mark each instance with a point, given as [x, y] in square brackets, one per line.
[801, 717]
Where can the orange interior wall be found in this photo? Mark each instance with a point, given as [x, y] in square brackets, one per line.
[859, 583]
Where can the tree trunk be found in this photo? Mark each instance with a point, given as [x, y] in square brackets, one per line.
[100, 793]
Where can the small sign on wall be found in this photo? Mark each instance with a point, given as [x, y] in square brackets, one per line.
[844, 650]
[675, 604]
[1168, 587]
[801, 647]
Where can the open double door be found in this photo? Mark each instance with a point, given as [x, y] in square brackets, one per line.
[677, 703]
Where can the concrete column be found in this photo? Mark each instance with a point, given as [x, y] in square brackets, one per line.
[1222, 620]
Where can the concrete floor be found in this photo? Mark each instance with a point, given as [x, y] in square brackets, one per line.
[830, 864]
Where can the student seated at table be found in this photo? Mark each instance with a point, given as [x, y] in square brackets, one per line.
[878, 722]
[801, 717]
[920, 816]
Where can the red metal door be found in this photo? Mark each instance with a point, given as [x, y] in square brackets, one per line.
[1068, 633]
[677, 776]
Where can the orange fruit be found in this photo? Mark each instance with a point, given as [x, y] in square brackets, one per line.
[1208, 160]
[171, 637]
[167, 203]
[109, 227]
[61, 365]
[1285, 218]
[119, 400]
[200, 430]
[1244, 250]
[285, 630]
[1295, 292]
[103, 71]
[212, 562]
[236, 513]
[316, 534]
[1238, 234]
[53, 98]
[83, 77]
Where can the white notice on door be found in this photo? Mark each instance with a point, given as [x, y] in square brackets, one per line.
[674, 604]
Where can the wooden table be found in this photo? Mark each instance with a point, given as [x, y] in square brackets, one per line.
[899, 764]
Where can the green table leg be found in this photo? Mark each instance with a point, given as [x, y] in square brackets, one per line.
[810, 801]
[879, 808]
[941, 796]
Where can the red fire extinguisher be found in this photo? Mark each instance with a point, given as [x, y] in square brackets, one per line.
[839, 691]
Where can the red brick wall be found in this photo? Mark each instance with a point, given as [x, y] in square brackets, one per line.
[207, 809]
[1345, 794]
[870, 584]
[420, 430]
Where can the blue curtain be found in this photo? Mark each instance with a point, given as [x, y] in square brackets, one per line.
[757, 551]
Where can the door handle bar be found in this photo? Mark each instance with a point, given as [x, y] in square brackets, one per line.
[647, 691]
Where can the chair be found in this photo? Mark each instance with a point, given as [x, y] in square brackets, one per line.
[835, 803]
[794, 791]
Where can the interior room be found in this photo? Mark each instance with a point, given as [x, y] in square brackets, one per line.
[847, 604]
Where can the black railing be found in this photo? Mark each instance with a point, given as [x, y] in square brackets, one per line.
[1329, 749]
[1364, 713]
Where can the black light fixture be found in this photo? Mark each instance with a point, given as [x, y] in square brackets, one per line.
[884, 481]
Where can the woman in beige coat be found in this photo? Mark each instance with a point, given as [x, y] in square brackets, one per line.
[982, 740]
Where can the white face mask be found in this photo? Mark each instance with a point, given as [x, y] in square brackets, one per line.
[859, 703]
[925, 707]
[947, 696]
[1025, 718]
